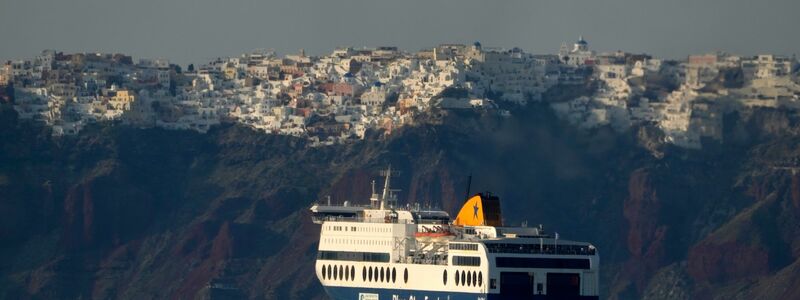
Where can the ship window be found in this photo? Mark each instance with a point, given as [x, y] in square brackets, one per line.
[465, 247]
[329, 272]
[353, 256]
[458, 278]
[323, 272]
[541, 249]
[335, 274]
[469, 279]
[353, 272]
[370, 274]
[444, 277]
[480, 279]
[474, 279]
[382, 275]
[466, 261]
[346, 273]
[364, 273]
[376, 273]
[341, 272]
[405, 275]
[542, 263]
[394, 275]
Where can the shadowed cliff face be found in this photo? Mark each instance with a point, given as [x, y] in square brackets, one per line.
[117, 212]
[647, 233]
[796, 191]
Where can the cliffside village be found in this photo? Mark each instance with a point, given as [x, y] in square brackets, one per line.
[338, 97]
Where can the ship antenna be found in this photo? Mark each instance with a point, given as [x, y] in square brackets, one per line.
[386, 187]
[469, 183]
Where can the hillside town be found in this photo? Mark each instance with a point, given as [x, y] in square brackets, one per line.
[340, 97]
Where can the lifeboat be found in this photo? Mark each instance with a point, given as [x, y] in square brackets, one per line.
[434, 233]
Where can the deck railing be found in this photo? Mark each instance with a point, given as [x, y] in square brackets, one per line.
[329, 218]
[541, 249]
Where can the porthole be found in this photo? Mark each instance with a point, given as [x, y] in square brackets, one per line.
[323, 272]
[474, 278]
[346, 272]
[480, 279]
[353, 273]
[444, 277]
[335, 273]
[382, 274]
[405, 275]
[329, 272]
[341, 272]
[370, 274]
[469, 279]
[458, 278]
[364, 273]
[376, 273]
[394, 275]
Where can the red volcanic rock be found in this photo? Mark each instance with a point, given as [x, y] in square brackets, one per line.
[298, 259]
[354, 186]
[434, 188]
[448, 191]
[740, 249]
[104, 210]
[78, 216]
[222, 246]
[198, 236]
[646, 234]
[641, 209]
[708, 262]
[212, 263]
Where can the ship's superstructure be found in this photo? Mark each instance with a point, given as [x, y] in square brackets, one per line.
[383, 251]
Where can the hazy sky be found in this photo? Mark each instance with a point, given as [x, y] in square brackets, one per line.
[195, 31]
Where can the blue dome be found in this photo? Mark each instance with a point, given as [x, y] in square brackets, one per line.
[477, 44]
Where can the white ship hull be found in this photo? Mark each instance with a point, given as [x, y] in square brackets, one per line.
[424, 283]
[385, 252]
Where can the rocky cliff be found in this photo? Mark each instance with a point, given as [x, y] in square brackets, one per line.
[118, 212]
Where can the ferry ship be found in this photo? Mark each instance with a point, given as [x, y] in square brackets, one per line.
[384, 251]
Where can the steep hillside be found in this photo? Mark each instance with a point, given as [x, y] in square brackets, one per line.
[117, 212]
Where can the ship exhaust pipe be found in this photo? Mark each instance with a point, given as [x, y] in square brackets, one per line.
[469, 183]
